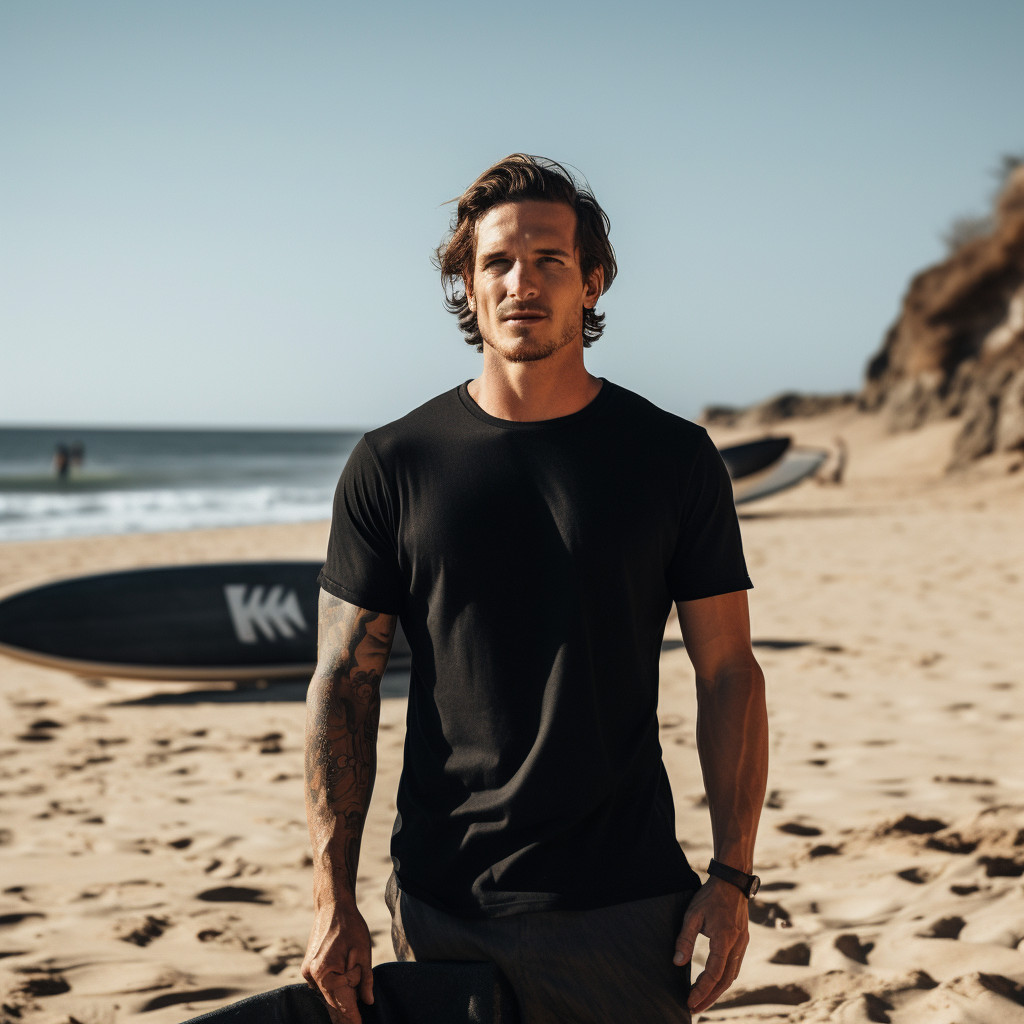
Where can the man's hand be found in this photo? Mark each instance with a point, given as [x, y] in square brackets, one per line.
[338, 961]
[719, 911]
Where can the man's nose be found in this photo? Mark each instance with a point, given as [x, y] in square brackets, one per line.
[521, 282]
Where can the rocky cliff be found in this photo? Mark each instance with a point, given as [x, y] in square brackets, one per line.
[957, 348]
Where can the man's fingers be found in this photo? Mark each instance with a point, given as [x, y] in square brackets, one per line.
[713, 971]
[687, 938]
[340, 990]
[358, 976]
[361, 981]
[347, 1007]
[706, 983]
[327, 987]
[335, 985]
[725, 982]
[720, 972]
[338, 962]
[366, 987]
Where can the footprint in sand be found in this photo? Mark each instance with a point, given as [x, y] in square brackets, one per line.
[824, 850]
[853, 949]
[771, 915]
[1005, 987]
[284, 953]
[876, 1008]
[914, 875]
[953, 843]
[8, 920]
[944, 928]
[203, 995]
[41, 731]
[1002, 867]
[271, 743]
[794, 828]
[54, 985]
[234, 894]
[909, 825]
[142, 931]
[783, 995]
[798, 955]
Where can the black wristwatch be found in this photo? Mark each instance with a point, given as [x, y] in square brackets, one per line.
[747, 884]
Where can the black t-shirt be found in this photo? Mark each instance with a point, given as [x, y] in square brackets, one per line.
[533, 566]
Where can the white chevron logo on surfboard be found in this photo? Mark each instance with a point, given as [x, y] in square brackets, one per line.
[275, 613]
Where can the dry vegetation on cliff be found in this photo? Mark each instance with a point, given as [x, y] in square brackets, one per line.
[955, 351]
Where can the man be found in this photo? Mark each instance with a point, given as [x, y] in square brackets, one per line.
[532, 529]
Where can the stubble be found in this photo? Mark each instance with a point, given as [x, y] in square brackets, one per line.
[524, 351]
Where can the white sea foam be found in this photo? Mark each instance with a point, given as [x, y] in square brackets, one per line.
[41, 516]
[142, 481]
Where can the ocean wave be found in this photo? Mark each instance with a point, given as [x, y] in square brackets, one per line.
[40, 516]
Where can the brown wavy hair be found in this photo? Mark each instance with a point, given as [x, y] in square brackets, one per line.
[518, 177]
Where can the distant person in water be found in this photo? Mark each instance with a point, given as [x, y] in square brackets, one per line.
[61, 461]
[532, 529]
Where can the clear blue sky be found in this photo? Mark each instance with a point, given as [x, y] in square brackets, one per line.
[222, 213]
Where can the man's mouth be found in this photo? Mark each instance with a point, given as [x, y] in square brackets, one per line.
[521, 316]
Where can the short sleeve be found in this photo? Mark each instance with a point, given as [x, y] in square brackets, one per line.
[362, 553]
[708, 559]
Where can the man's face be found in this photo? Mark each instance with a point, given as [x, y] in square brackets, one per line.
[527, 289]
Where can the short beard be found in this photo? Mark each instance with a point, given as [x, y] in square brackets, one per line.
[523, 353]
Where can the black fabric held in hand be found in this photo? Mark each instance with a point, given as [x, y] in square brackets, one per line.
[534, 566]
[440, 993]
[410, 993]
[293, 1004]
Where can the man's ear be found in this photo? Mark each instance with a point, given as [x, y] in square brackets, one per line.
[593, 287]
[467, 283]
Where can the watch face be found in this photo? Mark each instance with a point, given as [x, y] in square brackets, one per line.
[755, 884]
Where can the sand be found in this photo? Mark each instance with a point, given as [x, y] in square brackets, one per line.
[154, 855]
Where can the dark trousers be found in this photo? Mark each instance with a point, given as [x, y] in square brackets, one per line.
[607, 966]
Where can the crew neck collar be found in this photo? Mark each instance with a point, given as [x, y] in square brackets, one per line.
[598, 401]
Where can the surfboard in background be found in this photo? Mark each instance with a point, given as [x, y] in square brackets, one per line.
[743, 460]
[769, 465]
[796, 465]
[240, 621]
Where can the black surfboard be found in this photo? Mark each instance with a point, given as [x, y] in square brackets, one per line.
[796, 465]
[428, 992]
[240, 621]
[747, 459]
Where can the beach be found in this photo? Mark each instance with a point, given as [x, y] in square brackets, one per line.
[154, 853]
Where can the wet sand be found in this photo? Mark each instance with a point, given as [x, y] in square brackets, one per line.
[154, 854]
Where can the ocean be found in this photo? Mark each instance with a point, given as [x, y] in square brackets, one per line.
[145, 480]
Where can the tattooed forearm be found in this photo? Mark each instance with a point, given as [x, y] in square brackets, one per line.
[342, 712]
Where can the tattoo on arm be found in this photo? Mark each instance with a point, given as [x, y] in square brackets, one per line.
[342, 713]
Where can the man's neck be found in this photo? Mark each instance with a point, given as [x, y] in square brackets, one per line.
[544, 389]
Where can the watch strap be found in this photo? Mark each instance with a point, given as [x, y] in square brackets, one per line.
[747, 884]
